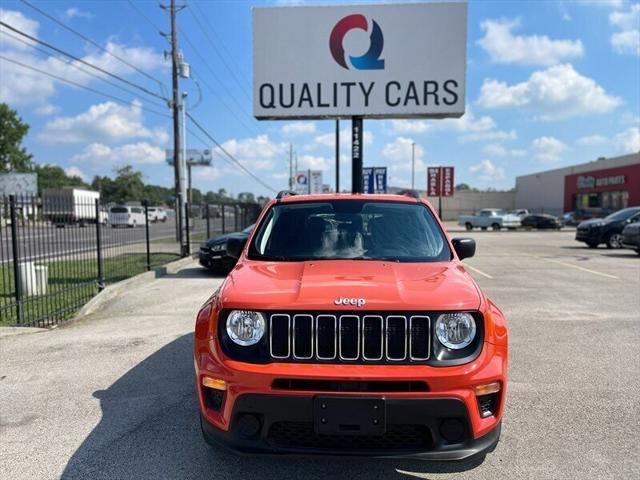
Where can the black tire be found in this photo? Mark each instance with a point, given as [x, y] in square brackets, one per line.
[592, 244]
[483, 228]
[638, 251]
[614, 240]
[468, 226]
[495, 226]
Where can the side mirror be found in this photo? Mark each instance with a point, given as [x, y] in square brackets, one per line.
[464, 247]
[235, 247]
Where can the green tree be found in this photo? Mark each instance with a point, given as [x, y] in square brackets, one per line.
[462, 186]
[52, 176]
[127, 186]
[13, 156]
[246, 197]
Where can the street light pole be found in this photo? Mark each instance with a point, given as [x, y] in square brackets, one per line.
[413, 165]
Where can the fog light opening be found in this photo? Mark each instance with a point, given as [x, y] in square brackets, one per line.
[488, 404]
[248, 425]
[452, 430]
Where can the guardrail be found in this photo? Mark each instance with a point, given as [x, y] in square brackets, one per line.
[56, 254]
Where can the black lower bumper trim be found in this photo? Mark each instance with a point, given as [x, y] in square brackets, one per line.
[414, 430]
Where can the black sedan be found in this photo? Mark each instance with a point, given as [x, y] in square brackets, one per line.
[541, 220]
[607, 230]
[631, 237]
[213, 253]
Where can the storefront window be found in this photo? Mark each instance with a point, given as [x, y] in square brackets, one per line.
[612, 200]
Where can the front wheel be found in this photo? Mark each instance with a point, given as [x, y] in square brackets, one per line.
[468, 226]
[614, 240]
[592, 245]
[495, 227]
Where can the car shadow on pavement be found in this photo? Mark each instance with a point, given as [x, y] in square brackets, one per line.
[149, 430]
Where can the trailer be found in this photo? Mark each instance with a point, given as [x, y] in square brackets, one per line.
[70, 206]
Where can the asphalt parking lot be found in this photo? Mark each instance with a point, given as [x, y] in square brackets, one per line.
[112, 395]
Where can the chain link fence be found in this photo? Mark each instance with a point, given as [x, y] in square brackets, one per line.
[57, 252]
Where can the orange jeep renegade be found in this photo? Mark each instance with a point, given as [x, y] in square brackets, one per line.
[349, 326]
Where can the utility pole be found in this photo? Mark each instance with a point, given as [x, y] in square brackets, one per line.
[338, 155]
[185, 187]
[290, 166]
[413, 165]
[175, 105]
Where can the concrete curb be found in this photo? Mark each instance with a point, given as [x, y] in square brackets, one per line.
[112, 291]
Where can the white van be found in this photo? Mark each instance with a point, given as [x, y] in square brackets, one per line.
[157, 214]
[124, 215]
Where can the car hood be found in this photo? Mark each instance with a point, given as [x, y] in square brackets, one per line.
[224, 238]
[315, 285]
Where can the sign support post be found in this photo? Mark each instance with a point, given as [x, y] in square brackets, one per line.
[440, 193]
[356, 154]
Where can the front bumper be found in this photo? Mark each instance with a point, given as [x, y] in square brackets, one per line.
[251, 388]
[427, 429]
[631, 240]
[591, 235]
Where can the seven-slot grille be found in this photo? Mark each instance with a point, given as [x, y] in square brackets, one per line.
[349, 337]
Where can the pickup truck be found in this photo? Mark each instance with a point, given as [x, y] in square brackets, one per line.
[490, 217]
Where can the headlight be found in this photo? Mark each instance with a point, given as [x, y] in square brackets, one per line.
[455, 330]
[245, 327]
[218, 248]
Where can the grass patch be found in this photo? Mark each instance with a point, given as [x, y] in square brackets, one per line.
[72, 283]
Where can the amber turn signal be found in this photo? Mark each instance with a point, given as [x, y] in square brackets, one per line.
[493, 387]
[214, 383]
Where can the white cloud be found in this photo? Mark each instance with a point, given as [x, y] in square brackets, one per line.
[73, 171]
[487, 171]
[628, 141]
[299, 128]
[47, 109]
[555, 93]
[315, 162]
[258, 153]
[400, 150]
[467, 123]
[23, 86]
[75, 12]
[140, 153]
[490, 136]
[20, 22]
[399, 153]
[518, 153]
[548, 149]
[591, 140]
[495, 150]
[627, 40]
[505, 47]
[104, 121]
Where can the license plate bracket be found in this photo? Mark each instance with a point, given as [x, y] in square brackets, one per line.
[336, 415]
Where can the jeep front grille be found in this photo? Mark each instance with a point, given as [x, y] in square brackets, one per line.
[349, 337]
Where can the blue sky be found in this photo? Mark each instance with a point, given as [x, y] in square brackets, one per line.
[549, 83]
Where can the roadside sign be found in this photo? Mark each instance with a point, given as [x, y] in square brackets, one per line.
[310, 62]
[374, 179]
[194, 156]
[447, 182]
[308, 181]
[433, 181]
[21, 184]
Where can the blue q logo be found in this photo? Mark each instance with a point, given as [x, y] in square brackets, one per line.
[370, 60]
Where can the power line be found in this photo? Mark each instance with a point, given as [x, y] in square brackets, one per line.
[92, 42]
[231, 157]
[76, 84]
[215, 49]
[213, 74]
[95, 67]
[77, 67]
[144, 16]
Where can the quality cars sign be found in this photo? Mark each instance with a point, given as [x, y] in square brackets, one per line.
[375, 61]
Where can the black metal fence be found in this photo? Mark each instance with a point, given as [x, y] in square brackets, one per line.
[58, 251]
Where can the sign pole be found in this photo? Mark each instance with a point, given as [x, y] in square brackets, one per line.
[338, 156]
[356, 155]
[440, 193]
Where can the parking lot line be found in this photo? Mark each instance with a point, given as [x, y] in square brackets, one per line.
[550, 260]
[479, 271]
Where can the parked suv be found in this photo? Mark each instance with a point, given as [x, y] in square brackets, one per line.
[607, 230]
[349, 326]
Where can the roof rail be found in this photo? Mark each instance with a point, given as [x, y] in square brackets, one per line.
[409, 193]
[285, 193]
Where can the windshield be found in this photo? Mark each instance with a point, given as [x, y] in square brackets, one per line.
[622, 214]
[359, 230]
[119, 210]
[249, 229]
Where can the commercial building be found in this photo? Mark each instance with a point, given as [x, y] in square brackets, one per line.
[611, 183]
